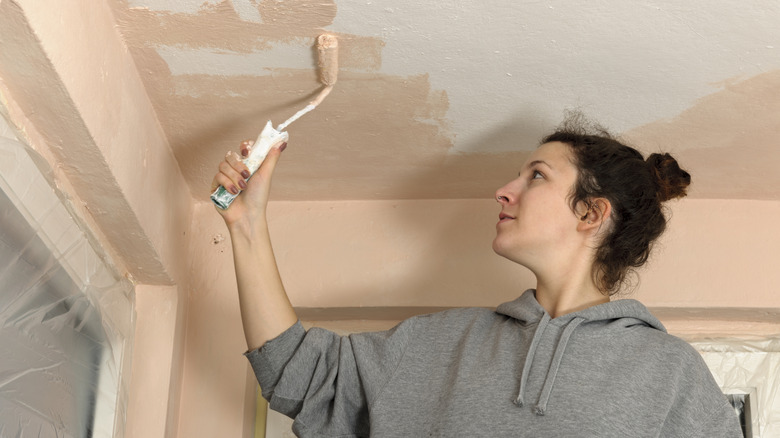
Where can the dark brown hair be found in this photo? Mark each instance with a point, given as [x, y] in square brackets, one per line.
[635, 187]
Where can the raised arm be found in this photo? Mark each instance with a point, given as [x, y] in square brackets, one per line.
[265, 309]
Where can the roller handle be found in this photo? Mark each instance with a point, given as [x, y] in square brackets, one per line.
[267, 139]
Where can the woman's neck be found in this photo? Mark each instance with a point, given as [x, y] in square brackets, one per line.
[559, 298]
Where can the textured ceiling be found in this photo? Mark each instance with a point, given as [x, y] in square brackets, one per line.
[443, 99]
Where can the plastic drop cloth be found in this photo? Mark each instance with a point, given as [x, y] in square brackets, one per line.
[65, 316]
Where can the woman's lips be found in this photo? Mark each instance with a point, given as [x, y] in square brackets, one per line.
[503, 217]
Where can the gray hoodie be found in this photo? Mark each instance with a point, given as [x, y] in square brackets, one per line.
[608, 371]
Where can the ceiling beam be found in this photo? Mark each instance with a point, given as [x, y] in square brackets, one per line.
[71, 80]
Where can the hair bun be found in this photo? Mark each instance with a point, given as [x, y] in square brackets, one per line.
[671, 180]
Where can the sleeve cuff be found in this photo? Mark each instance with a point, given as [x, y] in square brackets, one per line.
[269, 360]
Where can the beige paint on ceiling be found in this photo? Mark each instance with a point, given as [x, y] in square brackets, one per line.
[444, 100]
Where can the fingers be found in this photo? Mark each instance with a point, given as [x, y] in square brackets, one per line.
[229, 178]
[246, 147]
[235, 162]
[233, 173]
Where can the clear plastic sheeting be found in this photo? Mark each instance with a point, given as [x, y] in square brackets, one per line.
[749, 367]
[65, 315]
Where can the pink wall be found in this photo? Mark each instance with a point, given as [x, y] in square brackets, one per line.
[438, 253]
[717, 253]
[151, 410]
[217, 395]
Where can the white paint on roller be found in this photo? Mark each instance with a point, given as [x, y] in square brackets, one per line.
[188, 61]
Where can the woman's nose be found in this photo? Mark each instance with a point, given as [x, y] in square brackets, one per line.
[510, 192]
[503, 195]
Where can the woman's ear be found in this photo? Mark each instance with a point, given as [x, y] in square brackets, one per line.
[596, 214]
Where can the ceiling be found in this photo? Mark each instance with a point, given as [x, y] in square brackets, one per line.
[445, 98]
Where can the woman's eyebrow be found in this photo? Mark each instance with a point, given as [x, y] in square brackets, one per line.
[535, 162]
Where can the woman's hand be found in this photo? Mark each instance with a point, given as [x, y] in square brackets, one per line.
[234, 176]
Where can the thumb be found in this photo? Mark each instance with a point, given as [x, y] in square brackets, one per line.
[266, 170]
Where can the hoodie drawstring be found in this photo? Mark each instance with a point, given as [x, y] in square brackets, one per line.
[530, 357]
[552, 373]
[541, 406]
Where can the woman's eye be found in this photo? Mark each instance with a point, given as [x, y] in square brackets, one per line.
[537, 175]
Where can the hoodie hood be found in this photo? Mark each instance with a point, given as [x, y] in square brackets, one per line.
[626, 313]
[619, 314]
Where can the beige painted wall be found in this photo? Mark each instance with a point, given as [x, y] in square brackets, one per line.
[438, 253]
[717, 253]
[154, 400]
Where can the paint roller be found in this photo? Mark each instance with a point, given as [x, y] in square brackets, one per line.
[328, 66]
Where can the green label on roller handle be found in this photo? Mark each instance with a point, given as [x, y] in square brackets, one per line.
[222, 198]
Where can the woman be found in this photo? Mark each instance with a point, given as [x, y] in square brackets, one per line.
[561, 360]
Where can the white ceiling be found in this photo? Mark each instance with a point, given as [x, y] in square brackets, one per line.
[442, 99]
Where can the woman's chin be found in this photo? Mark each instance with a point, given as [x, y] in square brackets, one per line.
[512, 254]
[499, 249]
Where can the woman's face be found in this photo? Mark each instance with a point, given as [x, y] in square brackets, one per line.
[536, 220]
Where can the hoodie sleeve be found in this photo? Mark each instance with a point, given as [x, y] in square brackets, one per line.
[700, 408]
[327, 382]
[719, 422]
